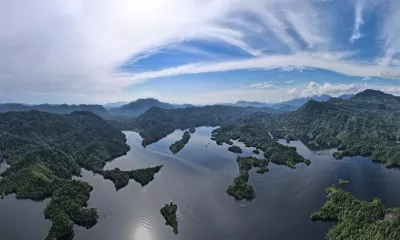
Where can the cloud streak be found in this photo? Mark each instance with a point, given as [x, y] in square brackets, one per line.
[297, 61]
[358, 20]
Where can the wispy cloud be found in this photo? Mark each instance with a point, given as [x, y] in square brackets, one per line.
[358, 20]
[290, 81]
[301, 60]
[335, 90]
[263, 85]
[78, 47]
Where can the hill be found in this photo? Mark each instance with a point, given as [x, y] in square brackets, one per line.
[114, 105]
[140, 106]
[376, 96]
[45, 150]
[301, 101]
[156, 123]
[367, 124]
[56, 108]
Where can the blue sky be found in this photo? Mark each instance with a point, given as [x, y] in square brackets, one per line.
[196, 51]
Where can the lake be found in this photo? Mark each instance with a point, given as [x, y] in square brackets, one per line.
[196, 179]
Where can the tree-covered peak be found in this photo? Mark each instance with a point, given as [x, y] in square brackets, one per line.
[371, 95]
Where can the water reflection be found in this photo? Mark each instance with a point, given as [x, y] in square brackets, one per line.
[196, 179]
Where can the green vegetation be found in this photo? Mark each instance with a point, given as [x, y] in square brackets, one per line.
[343, 181]
[256, 151]
[121, 178]
[240, 188]
[67, 207]
[367, 124]
[253, 133]
[192, 130]
[169, 214]
[54, 108]
[235, 149]
[262, 170]
[178, 145]
[357, 219]
[157, 123]
[45, 150]
[337, 155]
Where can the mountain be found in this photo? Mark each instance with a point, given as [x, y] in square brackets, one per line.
[287, 106]
[60, 109]
[156, 123]
[300, 101]
[346, 96]
[140, 106]
[114, 105]
[45, 150]
[282, 107]
[366, 124]
[251, 104]
[296, 103]
[376, 96]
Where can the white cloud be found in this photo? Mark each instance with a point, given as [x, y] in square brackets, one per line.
[72, 50]
[358, 20]
[293, 92]
[289, 81]
[259, 85]
[300, 60]
[335, 90]
[366, 78]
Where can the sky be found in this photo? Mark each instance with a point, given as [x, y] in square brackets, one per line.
[196, 51]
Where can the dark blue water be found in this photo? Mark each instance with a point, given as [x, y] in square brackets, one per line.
[196, 179]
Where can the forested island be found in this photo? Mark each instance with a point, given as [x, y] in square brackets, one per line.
[169, 214]
[121, 178]
[253, 133]
[343, 181]
[178, 145]
[44, 150]
[240, 188]
[357, 219]
[235, 149]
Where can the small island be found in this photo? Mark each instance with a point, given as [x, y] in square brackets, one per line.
[240, 188]
[343, 181]
[357, 219]
[256, 151]
[169, 214]
[121, 178]
[235, 149]
[338, 155]
[262, 170]
[178, 145]
[192, 130]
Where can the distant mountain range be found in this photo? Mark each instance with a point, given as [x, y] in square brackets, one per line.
[114, 105]
[287, 106]
[56, 108]
[140, 106]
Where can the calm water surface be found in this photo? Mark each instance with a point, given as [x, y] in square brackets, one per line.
[196, 179]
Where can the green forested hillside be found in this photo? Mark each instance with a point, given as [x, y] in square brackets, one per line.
[357, 219]
[157, 123]
[54, 108]
[357, 126]
[44, 150]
